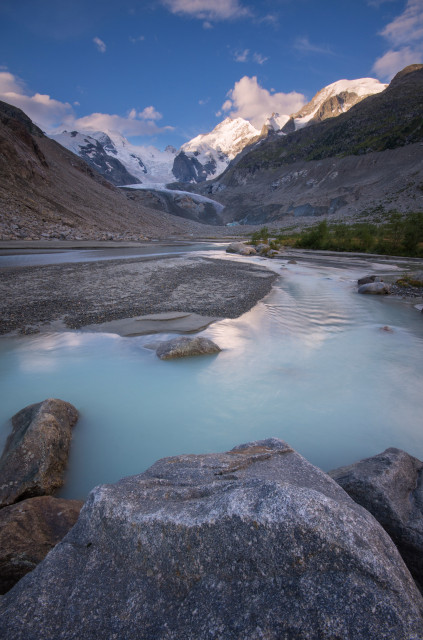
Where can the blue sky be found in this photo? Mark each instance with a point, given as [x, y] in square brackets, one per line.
[163, 71]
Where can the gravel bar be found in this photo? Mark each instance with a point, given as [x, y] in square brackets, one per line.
[80, 294]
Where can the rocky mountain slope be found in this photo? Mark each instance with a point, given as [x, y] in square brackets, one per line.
[369, 159]
[207, 155]
[47, 191]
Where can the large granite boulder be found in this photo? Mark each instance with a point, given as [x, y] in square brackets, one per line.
[185, 347]
[36, 452]
[253, 543]
[375, 288]
[390, 486]
[28, 531]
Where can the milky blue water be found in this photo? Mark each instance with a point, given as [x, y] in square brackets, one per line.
[309, 364]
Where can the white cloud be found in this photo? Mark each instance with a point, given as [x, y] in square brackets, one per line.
[259, 58]
[52, 115]
[241, 56]
[244, 56]
[303, 45]
[405, 36]
[209, 10]
[149, 113]
[43, 110]
[137, 39]
[250, 101]
[134, 124]
[101, 46]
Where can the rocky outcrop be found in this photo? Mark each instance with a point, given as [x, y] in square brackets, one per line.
[253, 543]
[241, 248]
[375, 288]
[28, 531]
[36, 452]
[390, 486]
[185, 347]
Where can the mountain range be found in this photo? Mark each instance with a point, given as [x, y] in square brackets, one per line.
[349, 156]
[207, 155]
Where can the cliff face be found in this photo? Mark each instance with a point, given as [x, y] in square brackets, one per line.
[252, 543]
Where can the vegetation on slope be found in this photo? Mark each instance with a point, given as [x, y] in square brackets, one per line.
[400, 235]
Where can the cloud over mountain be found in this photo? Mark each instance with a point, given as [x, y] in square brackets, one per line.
[405, 36]
[249, 100]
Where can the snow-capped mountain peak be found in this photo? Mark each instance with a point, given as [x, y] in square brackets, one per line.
[334, 99]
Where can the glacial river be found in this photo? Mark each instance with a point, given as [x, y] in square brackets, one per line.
[311, 364]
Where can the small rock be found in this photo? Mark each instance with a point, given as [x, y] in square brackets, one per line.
[387, 329]
[183, 347]
[375, 288]
[28, 531]
[292, 262]
[36, 452]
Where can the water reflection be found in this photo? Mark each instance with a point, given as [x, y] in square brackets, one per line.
[309, 364]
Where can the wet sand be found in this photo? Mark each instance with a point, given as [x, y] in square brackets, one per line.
[74, 295]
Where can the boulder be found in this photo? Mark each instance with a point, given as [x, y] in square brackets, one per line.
[36, 452]
[183, 347]
[241, 248]
[252, 543]
[375, 288]
[28, 531]
[390, 486]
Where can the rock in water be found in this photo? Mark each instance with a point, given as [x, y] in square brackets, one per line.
[241, 248]
[36, 452]
[253, 543]
[375, 288]
[183, 347]
[390, 486]
[28, 531]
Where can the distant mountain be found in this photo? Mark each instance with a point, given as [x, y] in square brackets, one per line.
[369, 159]
[122, 163]
[207, 155]
[46, 191]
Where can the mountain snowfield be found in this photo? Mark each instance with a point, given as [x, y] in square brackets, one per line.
[207, 155]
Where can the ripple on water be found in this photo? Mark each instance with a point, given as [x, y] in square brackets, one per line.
[309, 364]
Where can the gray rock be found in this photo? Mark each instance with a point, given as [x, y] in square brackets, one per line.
[184, 347]
[375, 288]
[389, 485]
[254, 543]
[369, 279]
[241, 248]
[36, 452]
[28, 531]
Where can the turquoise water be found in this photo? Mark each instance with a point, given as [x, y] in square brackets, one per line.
[309, 364]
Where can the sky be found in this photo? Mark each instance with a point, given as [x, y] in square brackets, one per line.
[163, 71]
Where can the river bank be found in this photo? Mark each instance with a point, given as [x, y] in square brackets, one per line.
[74, 295]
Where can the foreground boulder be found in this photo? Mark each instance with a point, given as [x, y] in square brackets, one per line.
[28, 531]
[241, 248]
[253, 543]
[375, 288]
[389, 485]
[36, 452]
[184, 347]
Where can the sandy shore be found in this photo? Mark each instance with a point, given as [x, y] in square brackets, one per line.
[74, 295]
